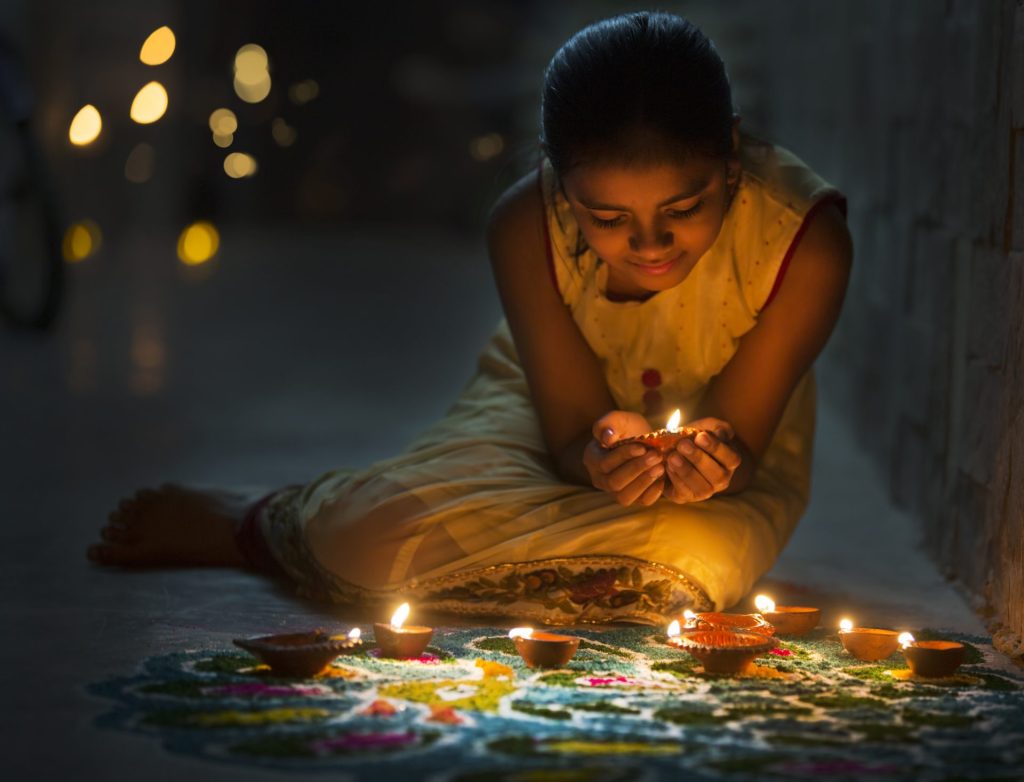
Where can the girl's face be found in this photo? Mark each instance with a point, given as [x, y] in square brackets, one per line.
[651, 223]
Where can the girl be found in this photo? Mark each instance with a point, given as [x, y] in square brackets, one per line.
[656, 260]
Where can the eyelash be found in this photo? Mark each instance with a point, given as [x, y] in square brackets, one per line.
[674, 214]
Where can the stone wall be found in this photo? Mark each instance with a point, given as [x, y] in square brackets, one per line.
[916, 110]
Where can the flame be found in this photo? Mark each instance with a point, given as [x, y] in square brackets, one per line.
[354, 634]
[673, 421]
[690, 617]
[520, 632]
[906, 639]
[764, 604]
[845, 625]
[673, 629]
[398, 618]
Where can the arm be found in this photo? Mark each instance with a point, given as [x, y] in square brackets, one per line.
[752, 391]
[565, 378]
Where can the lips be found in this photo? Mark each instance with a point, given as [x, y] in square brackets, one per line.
[657, 268]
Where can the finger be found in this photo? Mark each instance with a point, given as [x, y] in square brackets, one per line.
[722, 453]
[688, 481]
[713, 472]
[653, 493]
[620, 456]
[721, 428]
[636, 488]
[624, 475]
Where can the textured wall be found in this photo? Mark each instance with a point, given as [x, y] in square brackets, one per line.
[916, 109]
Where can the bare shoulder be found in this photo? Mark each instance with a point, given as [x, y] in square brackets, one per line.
[826, 243]
[515, 223]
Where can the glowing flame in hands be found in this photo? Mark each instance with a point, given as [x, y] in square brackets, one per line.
[764, 604]
[673, 421]
[398, 618]
[354, 634]
[520, 632]
[673, 629]
[906, 639]
[845, 625]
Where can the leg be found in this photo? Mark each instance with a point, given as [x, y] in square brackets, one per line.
[172, 526]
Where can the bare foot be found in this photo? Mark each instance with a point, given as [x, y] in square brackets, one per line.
[172, 526]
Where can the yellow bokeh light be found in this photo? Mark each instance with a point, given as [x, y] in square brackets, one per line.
[253, 92]
[223, 140]
[303, 91]
[158, 47]
[223, 122]
[283, 133]
[81, 240]
[198, 243]
[86, 126]
[150, 103]
[483, 148]
[238, 165]
[251, 63]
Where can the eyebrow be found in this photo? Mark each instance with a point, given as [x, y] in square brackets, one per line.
[696, 191]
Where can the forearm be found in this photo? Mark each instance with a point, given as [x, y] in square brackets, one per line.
[744, 474]
[569, 461]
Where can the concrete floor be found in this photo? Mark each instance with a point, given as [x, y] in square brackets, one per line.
[293, 352]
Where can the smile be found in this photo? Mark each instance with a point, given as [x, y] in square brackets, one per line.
[657, 269]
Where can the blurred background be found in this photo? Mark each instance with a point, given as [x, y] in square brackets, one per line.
[270, 217]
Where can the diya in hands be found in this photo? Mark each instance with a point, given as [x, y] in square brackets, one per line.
[663, 440]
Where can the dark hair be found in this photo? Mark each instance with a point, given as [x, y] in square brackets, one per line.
[638, 87]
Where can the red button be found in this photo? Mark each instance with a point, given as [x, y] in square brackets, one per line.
[651, 378]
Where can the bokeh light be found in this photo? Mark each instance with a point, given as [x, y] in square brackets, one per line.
[198, 243]
[252, 73]
[81, 240]
[223, 122]
[303, 91]
[238, 165]
[158, 47]
[223, 140]
[138, 168]
[283, 133]
[86, 126]
[150, 103]
[484, 148]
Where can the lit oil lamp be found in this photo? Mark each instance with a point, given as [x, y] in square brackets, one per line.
[300, 654]
[543, 650]
[932, 659]
[401, 642]
[787, 620]
[868, 644]
[717, 620]
[720, 651]
[664, 440]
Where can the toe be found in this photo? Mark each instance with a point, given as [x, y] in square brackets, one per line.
[116, 533]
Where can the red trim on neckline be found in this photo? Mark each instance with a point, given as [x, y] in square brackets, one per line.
[832, 198]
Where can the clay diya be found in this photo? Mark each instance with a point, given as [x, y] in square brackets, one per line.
[400, 642]
[300, 654]
[543, 650]
[868, 644]
[787, 620]
[663, 440]
[721, 651]
[717, 620]
[932, 659]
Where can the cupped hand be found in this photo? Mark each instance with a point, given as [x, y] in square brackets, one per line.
[631, 472]
[701, 468]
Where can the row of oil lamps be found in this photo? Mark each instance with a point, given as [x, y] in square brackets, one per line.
[725, 643]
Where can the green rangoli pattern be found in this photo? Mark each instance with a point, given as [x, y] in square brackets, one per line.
[627, 707]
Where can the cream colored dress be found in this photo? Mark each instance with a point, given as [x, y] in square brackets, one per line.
[472, 519]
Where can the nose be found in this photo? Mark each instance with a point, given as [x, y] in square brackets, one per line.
[650, 243]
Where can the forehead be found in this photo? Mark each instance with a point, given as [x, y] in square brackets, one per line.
[633, 184]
